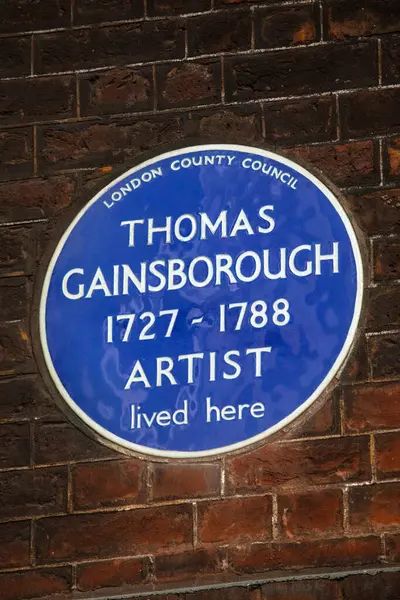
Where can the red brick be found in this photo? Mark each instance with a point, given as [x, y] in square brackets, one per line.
[306, 120]
[16, 149]
[13, 298]
[189, 84]
[15, 349]
[39, 99]
[385, 356]
[171, 481]
[243, 126]
[286, 26]
[59, 443]
[36, 583]
[371, 586]
[96, 11]
[311, 515]
[370, 407]
[87, 145]
[14, 445]
[31, 493]
[377, 212]
[321, 553]
[382, 308]
[219, 32]
[35, 198]
[170, 7]
[235, 519]
[390, 59]
[345, 164]
[302, 590]
[387, 448]
[22, 17]
[387, 259]
[111, 534]
[117, 91]
[14, 544]
[188, 565]
[392, 158]
[15, 56]
[374, 508]
[26, 398]
[356, 368]
[335, 66]
[111, 573]
[325, 420]
[225, 593]
[112, 483]
[393, 547]
[109, 46]
[374, 17]
[309, 462]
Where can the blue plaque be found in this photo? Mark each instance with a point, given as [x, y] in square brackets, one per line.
[201, 301]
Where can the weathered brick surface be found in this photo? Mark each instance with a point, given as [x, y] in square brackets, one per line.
[86, 85]
[113, 533]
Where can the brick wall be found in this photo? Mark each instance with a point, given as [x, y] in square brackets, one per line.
[88, 84]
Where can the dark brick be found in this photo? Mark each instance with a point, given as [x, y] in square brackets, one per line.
[65, 443]
[234, 3]
[385, 356]
[311, 514]
[345, 19]
[15, 349]
[377, 212]
[380, 107]
[13, 298]
[16, 150]
[219, 32]
[195, 564]
[391, 59]
[23, 16]
[243, 126]
[328, 553]
[109, 46]
[15, 57]
[335, 66]
[26, 398]
[35, 198]
[111, 573]
[308, 120]
[235, 519]
[171, 481]
[138, 531]
[382, 308]
[393, 547]
[16, 250]
[308, 462]
[225, 593]
[387, 450]
[371, 586]
[371, 407]
[71, 146]
[345, 164]
[189, 84]
[171, 7]
[374, 507]
[96, 11]
[387, 259]
[35, 584]
[31, 493]
[112, 483]
[116, 91]
[302, 590]
[286, 26]
[324, 420]
[14, 445]
[14, 544]
[356, 368]
[26, 101]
